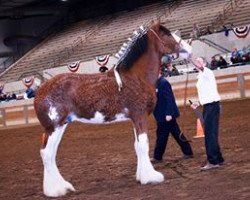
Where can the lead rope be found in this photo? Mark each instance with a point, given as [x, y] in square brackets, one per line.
[181, 136]
[157, 36]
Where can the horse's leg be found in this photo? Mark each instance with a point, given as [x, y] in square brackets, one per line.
[145, 172]
[137, 153]
[54, 184]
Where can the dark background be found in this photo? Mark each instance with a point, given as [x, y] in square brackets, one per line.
[24, 23]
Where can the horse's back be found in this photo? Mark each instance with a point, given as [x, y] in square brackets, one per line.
[65, 84]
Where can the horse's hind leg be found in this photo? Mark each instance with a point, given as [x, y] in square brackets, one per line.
[145, 172]
[54, 184]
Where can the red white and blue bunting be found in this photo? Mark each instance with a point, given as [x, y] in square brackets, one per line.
[102, 62]
[73, 67]
[28, 81]
[241, 32]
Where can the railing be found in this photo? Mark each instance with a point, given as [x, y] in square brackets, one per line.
[233, 83]
[216, 46]
[17, 115]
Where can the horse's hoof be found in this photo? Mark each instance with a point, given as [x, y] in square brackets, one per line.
[59, 190]
[69, 186]
[155, 177]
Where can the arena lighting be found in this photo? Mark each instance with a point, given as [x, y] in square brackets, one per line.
[64, 0]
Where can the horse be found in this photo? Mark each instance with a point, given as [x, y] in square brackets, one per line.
[127, 91]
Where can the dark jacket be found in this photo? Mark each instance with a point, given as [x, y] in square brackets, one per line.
[165, 104]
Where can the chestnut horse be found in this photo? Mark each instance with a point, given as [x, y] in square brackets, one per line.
[125, 92]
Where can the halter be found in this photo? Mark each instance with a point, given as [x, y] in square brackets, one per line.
[117, 75]
[162, 42]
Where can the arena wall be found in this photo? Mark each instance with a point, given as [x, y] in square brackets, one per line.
[233, 83]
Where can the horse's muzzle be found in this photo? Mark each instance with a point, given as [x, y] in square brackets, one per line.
[183, 48]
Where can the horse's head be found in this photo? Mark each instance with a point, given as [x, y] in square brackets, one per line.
[165, 41]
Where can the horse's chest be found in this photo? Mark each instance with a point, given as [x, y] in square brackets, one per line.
[140, 97]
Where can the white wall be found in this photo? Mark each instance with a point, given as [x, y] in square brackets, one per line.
[230, 42]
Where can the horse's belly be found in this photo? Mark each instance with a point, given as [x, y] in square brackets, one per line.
[98, 118]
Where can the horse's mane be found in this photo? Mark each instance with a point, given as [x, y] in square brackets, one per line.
[133, 49]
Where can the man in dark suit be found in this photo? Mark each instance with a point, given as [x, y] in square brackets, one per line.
[165, 113]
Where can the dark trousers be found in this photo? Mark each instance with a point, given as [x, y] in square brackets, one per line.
[162, 133]
[211, 115]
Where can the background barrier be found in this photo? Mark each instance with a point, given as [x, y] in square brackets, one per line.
[233, 83]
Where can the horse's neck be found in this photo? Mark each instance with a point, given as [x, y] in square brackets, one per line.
[147, 67]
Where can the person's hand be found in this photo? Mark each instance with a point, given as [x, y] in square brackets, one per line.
[168, 118]
[195, 105]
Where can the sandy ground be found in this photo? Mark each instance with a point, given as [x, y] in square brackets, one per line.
[99, 160]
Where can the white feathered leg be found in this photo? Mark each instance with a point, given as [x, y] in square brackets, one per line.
[138, 157]
[145, 172]
[54, 184]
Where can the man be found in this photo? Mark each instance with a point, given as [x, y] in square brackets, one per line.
[209, 98]
[165, 113]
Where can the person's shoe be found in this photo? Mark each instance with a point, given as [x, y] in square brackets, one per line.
[221, 163]
[188, 156]
[209, 166]
[155, 161]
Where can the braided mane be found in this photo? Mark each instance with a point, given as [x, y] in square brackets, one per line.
[133, 49]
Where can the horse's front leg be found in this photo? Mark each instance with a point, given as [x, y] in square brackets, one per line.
[145, 172]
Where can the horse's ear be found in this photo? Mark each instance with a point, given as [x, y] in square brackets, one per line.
[155, 24]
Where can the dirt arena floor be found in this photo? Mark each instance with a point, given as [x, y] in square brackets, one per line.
[99, 160]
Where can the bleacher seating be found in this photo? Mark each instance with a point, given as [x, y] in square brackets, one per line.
[87, 39]
[45, 54]
[240, 15]
[189, 12]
